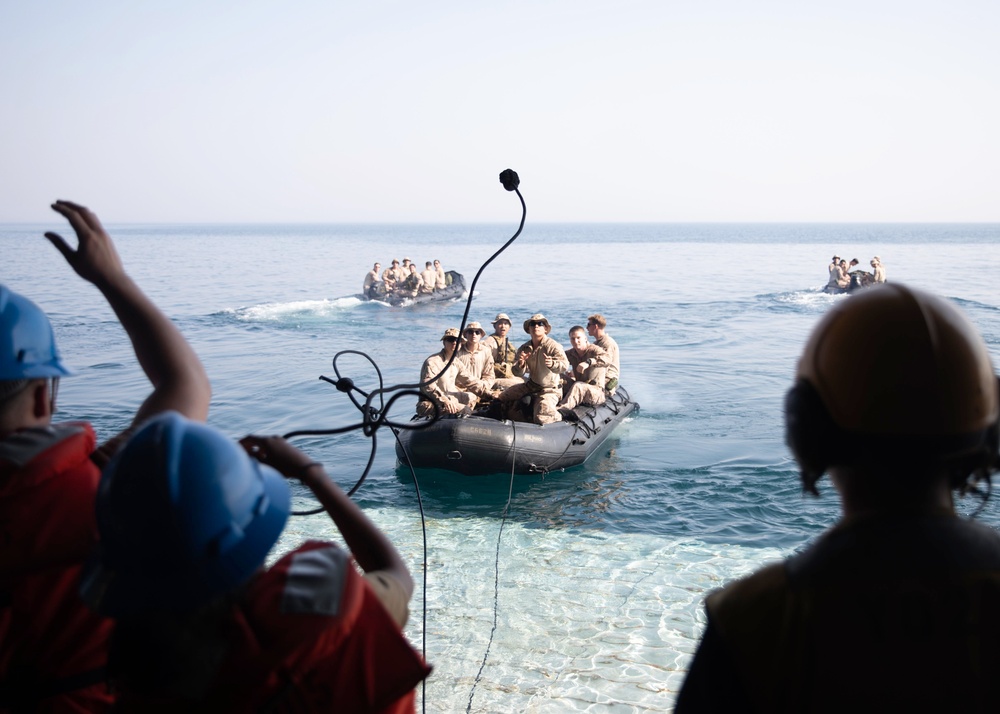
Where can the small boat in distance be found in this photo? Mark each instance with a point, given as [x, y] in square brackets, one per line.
[453, 290]
[478, 445]
[860, 280]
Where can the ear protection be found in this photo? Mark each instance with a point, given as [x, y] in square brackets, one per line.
[810, 433]
[817, 443]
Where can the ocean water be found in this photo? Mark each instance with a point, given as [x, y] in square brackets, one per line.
[590, 597]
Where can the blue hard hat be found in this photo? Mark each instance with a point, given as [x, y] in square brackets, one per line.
[27, 343]
[184, 516]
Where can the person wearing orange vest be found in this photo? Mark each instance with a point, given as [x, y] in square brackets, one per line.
[187, 519]
[53, 649]
[897, 607]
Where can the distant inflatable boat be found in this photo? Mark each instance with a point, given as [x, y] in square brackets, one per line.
[453, 290]
[859, 281]
[478, 445]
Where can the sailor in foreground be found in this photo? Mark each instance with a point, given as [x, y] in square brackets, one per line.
[186, 520]
[543, 361]
[897, 607]
[53, 650]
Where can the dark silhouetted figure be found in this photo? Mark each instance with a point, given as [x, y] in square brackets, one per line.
[897, 607]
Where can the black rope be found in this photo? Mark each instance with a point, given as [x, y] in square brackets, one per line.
[373, 418]
[423, 531]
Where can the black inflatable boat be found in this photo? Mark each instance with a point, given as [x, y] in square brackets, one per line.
[454, 289]
[860, 280]
[477, 445]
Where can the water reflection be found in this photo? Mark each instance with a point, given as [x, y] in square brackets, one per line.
[581, 497]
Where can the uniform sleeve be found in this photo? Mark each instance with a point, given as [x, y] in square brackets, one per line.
[488, 364]
[429, 371]
[469, 382]
[598, 356]
[519, 371]
[554, 350]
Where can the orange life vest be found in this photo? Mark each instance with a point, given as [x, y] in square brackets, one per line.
[309, 635]
[53, 649]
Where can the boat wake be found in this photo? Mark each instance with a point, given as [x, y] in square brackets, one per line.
[296, 310]
[809, 299]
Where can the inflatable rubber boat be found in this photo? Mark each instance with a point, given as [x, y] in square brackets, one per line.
[860, 280]
[454, 289]
[476, 445]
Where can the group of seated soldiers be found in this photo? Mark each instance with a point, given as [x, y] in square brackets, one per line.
[840, 272]
[540, 371]
[406, 279]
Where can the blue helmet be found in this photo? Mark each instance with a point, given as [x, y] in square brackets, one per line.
[184, 516]
[27, 344]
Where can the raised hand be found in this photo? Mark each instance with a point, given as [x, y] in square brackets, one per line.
[95, 258]
[276, 453]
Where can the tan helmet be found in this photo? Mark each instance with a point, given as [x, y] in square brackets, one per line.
[892, 366]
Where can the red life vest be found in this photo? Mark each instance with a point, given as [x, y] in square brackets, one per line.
[308, 635]
[53, 649]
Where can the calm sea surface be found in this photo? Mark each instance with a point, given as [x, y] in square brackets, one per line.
[602, 568]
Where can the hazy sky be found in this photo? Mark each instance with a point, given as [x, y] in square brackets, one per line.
[330, 111]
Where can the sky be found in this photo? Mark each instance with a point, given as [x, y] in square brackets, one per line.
[324, 111]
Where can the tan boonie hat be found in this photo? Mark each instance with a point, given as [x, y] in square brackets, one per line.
[501, 316]
[452, 332]
[537, 317]
[475, 326]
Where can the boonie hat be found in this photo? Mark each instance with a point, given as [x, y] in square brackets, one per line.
[501, 316]
[475, 327]
[452, 332]
[537, 317]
